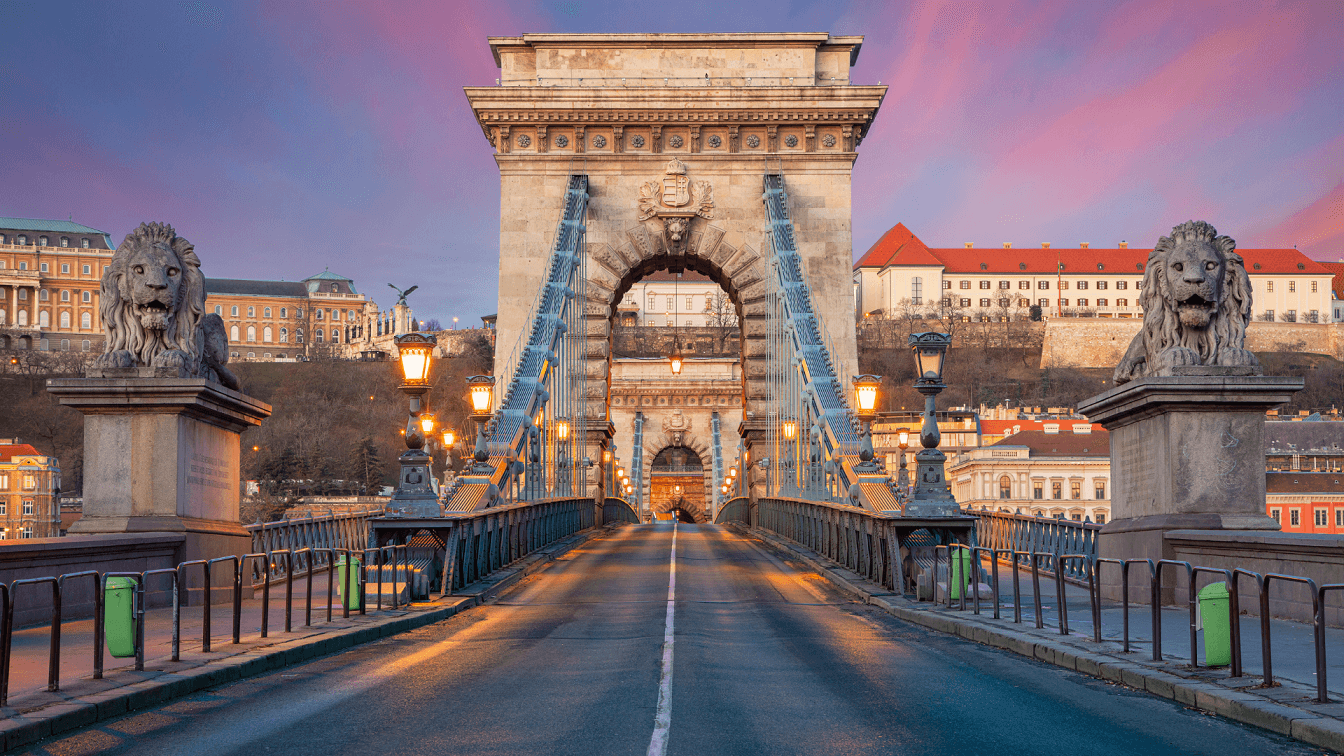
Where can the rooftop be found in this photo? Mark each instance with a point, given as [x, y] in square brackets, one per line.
[256, 288]
[9, 451]
[1042, 444]
[52, 226]
[1304, 482]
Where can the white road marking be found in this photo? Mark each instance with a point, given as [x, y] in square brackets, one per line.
[662, 720]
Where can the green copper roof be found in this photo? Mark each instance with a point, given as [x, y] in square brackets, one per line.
[52, 226]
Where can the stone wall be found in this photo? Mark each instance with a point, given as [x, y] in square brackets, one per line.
[894, 334]
[1101, 342]
[657, 341]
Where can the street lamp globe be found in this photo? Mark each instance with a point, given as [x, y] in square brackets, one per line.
[482, 389]
[676, 360]
[930, 350]
[903, 439]
[449, 437]
[415, 350]
[865, 393]
[606, 456]
[790, 429]
[426, 423]
[562, 428]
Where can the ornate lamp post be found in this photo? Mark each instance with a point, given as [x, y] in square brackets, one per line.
[932, 496]
[790, 427]
[865, 395]
[482, 389]
[449, 439]
[415, 494]
[903, 476]
[563, 476]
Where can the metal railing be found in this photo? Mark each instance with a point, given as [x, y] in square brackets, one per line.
[737, 509]
[1026, 534]
[861, 541]
[618, 510]
[479, 544]
[334, 530]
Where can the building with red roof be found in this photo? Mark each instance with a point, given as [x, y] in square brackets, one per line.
[1060, 470]
[900, 275]
[30, 485]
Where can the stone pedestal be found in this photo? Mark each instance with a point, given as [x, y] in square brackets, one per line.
[161, 454]
[1187, 452]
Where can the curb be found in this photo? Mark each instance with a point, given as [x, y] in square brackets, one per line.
[1238, 704]
[21, 729]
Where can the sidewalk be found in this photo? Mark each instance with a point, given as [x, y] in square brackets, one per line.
[1287, 708]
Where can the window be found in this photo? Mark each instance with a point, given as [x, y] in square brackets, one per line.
[947, 284]
[1082, 302]
[1101, 489]
[284, 335]
[45, 242]
[984, 303]
[43, 294]
[266, 334]
[85, 345]
[964, 285]
[1274, 514]
[965, 303]
[1043, 284]
[984, 284]
[1101, 302]
[1076, 489]
[1081, 285]
[298, 336]
[1339, 517]
[1005, 487]
[1101, 284]
[1292, 287]
[335, 334]
[335, 288]
[65, 320]
[26, 532]
[44, 319]
[86, 296]
[298, 313]
[335, 314]
[1037, 490]
[318, 313]
[1076, 517]
[1101, 518]
[1122, 302]
[251, 312]
[234, 311]
[251, 355]
[350, 314]
[1313, 287]
[23, 239]
[29, 482]
[85, 321]
[65, 295]
[1269, 286]
[917, 290]
[1295, 517]
[1322, 518]
[23, 293]
[1056, 489]
[1024, 284]
[219, 309]
[1003, 302]
[84, 243]
[689, 304]
[1005, 284]
[670, 304]
[44, 268]
[1290, 316]
[1043, 302]
[653, 303]
[251, 334]
[3, 239]
[284, 312]
[318, 335]
[23, 266]
[4, 486]
[266, 312]
[65, 268]
[1122, 284]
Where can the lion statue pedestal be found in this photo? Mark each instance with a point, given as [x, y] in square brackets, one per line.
[1187, 418]
[163, 414]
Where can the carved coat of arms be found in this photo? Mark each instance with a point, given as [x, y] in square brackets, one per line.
[675, 201]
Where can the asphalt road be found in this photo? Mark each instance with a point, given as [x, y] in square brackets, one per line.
[765, 660]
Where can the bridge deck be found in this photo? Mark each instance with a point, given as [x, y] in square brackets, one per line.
[766, 660]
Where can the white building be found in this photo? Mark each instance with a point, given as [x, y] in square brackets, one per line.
[1062, 471]
[663, 298]
[900, 275]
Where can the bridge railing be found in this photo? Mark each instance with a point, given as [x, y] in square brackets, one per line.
[479, 544]
[323, 533]
[618, 510]
[1018, 533]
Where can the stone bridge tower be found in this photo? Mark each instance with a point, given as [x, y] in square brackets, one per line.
[675, 132]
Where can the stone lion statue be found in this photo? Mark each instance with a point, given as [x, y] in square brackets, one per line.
[1196, 305]
[153, 309]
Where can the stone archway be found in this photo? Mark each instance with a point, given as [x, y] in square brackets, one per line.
[678, 478]
[646, 248]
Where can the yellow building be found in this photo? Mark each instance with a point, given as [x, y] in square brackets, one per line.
[50, 272]
[30, 486]
[289, 320]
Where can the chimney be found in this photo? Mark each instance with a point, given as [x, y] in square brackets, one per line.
[1124, 244]
[1007, 245]
[1045, 245]
[969, 245]
[1083, 245]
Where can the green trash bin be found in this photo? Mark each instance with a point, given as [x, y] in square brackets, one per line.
[1213, 602]
[119, 616]
[960, 568]
[350, 599]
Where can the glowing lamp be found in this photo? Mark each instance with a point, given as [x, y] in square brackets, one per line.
[732, 472]
[427, 423]
[678, 489]
[790, 429]
[620, 472]
[606, 456]
[562, 429]
[904, 437]
[482, 393]
[449, 437]
[415, 350]
[676, 360]
[865, 393]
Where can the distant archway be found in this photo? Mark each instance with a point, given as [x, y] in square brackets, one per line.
[677, 484]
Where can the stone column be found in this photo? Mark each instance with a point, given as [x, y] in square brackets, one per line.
[161, 454]
[1187, 452]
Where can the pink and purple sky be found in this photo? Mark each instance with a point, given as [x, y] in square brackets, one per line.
[287, 137]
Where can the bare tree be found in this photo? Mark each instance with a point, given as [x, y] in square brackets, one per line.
[721, 316]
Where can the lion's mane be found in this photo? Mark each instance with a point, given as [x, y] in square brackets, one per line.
[1162, 327]
[123, 328]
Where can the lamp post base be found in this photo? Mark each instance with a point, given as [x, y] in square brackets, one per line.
[415, 495]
